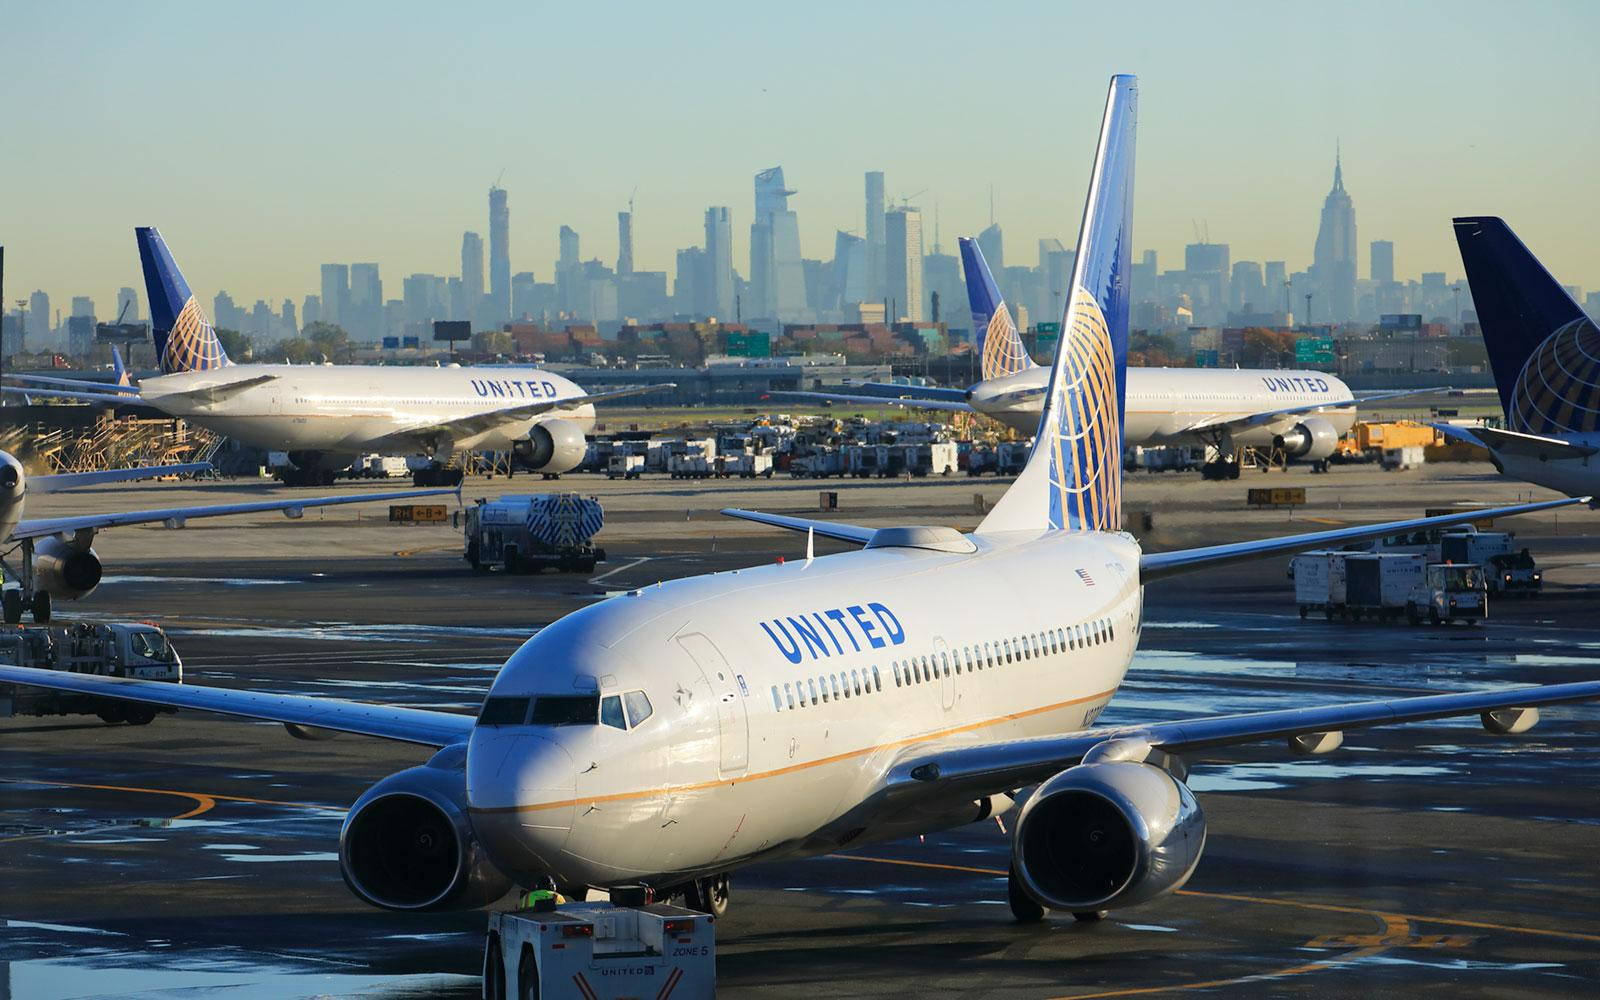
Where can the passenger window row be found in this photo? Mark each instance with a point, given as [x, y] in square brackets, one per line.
[828, 687]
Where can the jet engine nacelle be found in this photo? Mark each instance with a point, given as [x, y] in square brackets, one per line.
[1105, 835]
[13, 486]
[554, 446]
[1312, 439]
[408, 844]
[63, 570]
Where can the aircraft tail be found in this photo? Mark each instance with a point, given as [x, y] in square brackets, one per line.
[1544, 351]
[184, 338]
[1000, 349]
[1073, 479]
[119, 371]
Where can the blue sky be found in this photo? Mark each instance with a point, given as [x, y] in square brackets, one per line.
[265, 140]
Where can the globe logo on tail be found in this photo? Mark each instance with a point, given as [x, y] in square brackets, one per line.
[1003, 353]
[1558, 390]
[1084, 435]
[192, 344]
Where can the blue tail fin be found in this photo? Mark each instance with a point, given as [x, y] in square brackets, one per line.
[1544, 351]
[185, 341]
[1073, 479]
[1000, 348]
[119, 371]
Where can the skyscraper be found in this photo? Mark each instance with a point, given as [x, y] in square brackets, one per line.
[39, 318]
[571, 296]
[499, 256]
[1333, 266]
[471, 277]
[875, 244]
[624, 243]
[777, 277]
[567, 244]
[903, 260]
[364, 315]
[688, 298]
[1382, 261]
[849, 274]
[718, 286]
[335, 293]
[993, 244]
[127, 305]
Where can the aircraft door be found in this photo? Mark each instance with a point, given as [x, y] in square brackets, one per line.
[733, 723]
[274, 398]
[944, 665]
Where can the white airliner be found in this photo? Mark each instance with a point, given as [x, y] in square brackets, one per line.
[326, 415]
[676, 733]
[1301, 412]
[55, 557]
[1545, 354]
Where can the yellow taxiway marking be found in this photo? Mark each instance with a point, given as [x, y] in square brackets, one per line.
[203, 802]
[1325, 520]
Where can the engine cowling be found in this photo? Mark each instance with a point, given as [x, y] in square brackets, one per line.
[1312, 439]
[65, 571]
[554, 446]
[408, 844]
[1105, 835]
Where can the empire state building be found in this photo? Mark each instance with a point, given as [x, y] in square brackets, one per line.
[1334, 263]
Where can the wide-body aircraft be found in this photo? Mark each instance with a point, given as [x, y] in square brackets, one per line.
[675, 733]
[1303, 413]
[324, 416]
[1544, 351]
[55, 555]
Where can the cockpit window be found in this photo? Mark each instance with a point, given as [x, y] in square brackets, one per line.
[566, 710]
[638, 707]
[503, 711]
[611, 712]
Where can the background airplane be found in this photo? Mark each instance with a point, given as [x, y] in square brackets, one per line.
[56, 558]
[326, 415]
[1545, 354]
[1302, 412]
[671, 735]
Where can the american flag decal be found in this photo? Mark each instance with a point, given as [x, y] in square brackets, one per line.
[1083, 574]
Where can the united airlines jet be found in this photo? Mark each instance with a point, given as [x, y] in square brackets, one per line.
[55, 557]
[326, 415]
[671, 735]
[1545, 354]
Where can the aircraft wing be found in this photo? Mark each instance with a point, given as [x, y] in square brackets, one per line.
[827, 529]
[891, 390]
[1517, 443]
[1235, 421]
[73, 383]
[34, 392]
[74, 480]
[972, 770]
[176, 516]
[432, 435]
[961, 406]
[1155, 565]
[1373, 397]
[408, 725]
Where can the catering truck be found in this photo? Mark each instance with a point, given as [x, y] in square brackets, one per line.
[1383, 586]
[117, 649]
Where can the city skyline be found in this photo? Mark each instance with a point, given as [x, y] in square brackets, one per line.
[264, 176]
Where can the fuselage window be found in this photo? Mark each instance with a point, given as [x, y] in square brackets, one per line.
[988, 653]
[896, 667]
[916, 671]
[927, 669]
[944, 663]
[1006, 645]
[834, 680]
[788, 694]
[611, 712]
[812, 683]
[777, 702]
[855, 680]
[1061, 638]
[824, 686]
[877, 681]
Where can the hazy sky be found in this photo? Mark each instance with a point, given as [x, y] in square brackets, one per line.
[267, 139]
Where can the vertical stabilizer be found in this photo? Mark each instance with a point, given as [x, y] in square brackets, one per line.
[1000, 348]
[1544, 350]
[1073, 479]
[184, 339]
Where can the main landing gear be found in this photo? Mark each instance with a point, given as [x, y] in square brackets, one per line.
[437, 475]
[314, 475]
[22, 598]
[707, 895]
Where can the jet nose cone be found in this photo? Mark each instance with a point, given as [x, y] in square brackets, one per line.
[520, 788]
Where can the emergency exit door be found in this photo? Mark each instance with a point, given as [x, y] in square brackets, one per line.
[733, 724]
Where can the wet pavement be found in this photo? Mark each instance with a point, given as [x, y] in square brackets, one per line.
[195, 856]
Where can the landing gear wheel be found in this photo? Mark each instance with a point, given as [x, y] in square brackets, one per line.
[1089, 916]
[139, 715]
[708, 895]
[1024, 907]
[41, 607]
[527, 976]
[13, 607]
[112, 714]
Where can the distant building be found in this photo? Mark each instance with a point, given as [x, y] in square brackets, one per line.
[471, 279]
[499, 255]
[80, 334]
[1382, 262]
[83, 305]
[1247, 289]
[849, 277]
[127, 306]
[992, 242]
[335, 293]
[875, 245]
[39, 319]
[1591, 305]
[777, 277]
[311, 310]
[688, 299]
[718, 288]
[1334, 261]
[624, 244]
[571, 297]
[903, 238]
[365, 319]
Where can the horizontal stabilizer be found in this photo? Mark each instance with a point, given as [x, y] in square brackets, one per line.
[827, 529]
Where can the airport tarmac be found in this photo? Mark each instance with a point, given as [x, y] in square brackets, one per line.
[198, 853]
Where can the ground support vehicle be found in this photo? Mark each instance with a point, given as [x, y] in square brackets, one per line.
[109, 649]
[533, 532]
[600, 951]
[1384, 586]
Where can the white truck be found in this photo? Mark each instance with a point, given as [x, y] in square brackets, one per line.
[624, 466]
[1506, 570]
[116, 649]
[932, 458]
[1383, 586]
[600, 951]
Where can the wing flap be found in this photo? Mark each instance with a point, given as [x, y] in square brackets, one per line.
[407, 725]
